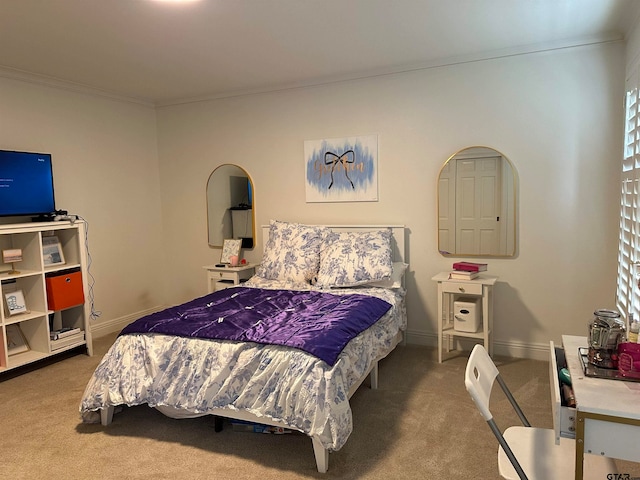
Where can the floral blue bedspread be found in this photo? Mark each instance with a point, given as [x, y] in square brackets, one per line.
[194, 376]
[316, 322]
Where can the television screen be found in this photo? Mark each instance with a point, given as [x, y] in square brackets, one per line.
[26, 184]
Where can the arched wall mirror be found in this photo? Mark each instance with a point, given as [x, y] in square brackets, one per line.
[477, 191]
[230, 206]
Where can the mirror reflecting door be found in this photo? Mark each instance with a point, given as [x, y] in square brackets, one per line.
[230, 206]
[477, 204]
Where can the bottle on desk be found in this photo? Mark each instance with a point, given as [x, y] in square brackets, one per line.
[568, 396]
[634, 329]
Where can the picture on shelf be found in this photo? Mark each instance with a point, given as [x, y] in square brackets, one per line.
[52, 251]
[230, 248]
[16, 343]
[15, 302]
[12, 255]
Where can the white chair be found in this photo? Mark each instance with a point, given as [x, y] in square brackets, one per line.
[526, 452]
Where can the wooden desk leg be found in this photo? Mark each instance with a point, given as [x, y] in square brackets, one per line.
[579, 445]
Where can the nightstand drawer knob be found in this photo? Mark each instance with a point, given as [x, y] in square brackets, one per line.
[461, 289]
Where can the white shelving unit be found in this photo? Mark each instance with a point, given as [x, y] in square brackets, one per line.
[35, 324]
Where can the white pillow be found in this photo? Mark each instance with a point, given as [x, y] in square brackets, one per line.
[396, 277]
[292, 252]
[348, 259]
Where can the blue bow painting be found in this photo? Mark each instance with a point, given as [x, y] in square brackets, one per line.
[342, 169]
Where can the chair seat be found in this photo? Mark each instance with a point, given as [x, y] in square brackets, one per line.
[542, 459]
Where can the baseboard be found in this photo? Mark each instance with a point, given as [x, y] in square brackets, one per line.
[115, 325]
[420, 338]
[533, 351]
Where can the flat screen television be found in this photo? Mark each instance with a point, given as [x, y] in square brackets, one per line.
[26, 184]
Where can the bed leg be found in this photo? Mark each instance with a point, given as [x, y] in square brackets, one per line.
[322, 455]
[374, 376]
[106, 415]
[217, 422]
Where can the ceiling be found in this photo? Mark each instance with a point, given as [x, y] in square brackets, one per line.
[159, 53]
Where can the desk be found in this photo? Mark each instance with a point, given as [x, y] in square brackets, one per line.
[607, 411]
[448, 291]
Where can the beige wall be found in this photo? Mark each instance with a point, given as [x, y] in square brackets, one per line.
[633, 50]
[556, 115]
[141, 185]
[104, 155]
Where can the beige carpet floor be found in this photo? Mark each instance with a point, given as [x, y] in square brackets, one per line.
[419, 424]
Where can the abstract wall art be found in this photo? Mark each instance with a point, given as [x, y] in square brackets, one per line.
[342, 169]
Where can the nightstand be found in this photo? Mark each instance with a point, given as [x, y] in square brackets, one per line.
[219, 278]
[449, 290]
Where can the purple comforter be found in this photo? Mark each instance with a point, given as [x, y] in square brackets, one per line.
[319, 323]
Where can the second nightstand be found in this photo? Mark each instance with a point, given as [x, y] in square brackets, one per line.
[219, 278]
[448, 291]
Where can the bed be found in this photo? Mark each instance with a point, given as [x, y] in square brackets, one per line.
[262, 372]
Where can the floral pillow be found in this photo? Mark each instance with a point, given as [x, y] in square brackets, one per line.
[395, 281]
[348, 259]
[292, 252]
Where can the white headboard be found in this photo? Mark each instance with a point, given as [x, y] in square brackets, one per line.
[397, 236]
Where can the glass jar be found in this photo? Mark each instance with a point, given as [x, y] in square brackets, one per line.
[606, 331]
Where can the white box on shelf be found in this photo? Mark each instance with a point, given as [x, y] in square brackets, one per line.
[466, 314]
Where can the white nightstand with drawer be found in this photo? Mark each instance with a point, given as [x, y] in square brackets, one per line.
[451, 289]
[219, 278]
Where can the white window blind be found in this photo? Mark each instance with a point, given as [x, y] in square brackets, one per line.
[628, 291]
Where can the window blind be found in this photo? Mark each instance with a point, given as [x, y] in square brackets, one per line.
[628, 290]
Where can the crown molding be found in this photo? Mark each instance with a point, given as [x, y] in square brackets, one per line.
[401, 69]
[53, 82]
[44, 80]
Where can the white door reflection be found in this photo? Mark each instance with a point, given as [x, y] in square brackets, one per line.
[476, 204]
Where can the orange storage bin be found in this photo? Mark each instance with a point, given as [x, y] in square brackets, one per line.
[64, 290]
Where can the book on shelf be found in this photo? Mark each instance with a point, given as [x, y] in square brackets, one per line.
[64, 332]
[470, 266]
[462, 275]
[75, 339]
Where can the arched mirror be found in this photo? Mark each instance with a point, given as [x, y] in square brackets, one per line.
[230, 206]
[477, 194]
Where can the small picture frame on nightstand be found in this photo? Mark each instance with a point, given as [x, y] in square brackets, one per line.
[230, 248]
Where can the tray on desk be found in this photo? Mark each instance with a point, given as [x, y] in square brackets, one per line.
[591, 370]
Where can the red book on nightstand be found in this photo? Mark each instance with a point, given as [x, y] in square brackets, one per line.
[470, 266]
